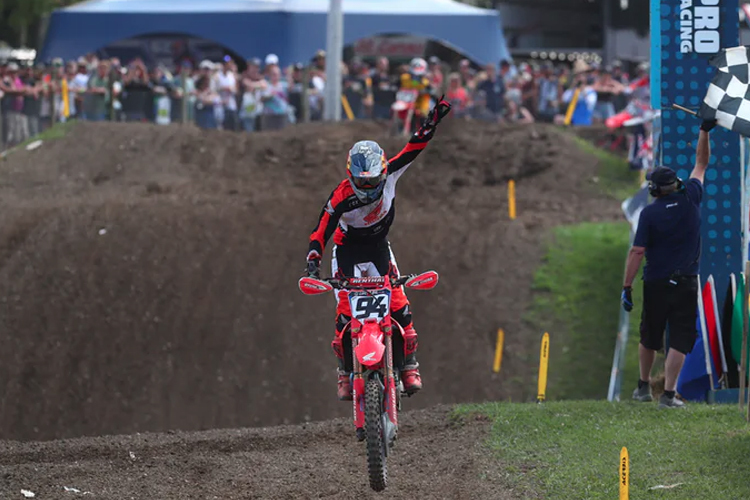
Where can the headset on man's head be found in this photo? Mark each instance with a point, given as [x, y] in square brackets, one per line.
[655, 189]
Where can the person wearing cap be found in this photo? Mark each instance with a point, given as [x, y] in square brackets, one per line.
[272, 60]
[13, 90]
[669, 236]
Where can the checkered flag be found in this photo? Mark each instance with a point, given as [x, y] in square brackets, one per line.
[728, 98]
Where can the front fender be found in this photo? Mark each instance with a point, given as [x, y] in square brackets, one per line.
[370, 347]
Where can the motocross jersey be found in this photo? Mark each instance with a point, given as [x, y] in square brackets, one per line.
[353, 222]
[422, 84]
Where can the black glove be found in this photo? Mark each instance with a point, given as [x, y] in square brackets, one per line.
[707, 125]
[627, 298]
[441, 109]
[313, 264]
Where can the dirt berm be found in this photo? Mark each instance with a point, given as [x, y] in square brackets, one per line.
[148, 276]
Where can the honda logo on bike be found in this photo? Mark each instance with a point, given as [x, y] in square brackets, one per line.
[368, 357]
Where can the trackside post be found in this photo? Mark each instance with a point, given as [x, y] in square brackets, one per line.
[498, 351]
[543, 364]
[624, 474]
[512, 199]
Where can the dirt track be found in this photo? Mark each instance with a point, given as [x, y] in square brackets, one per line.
[148, 275]
[432, 459]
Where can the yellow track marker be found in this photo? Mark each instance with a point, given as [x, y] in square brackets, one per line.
[572, 106]
[512, 199]
[499, 351]
[347, 107]
[543, 364]
[624, 474]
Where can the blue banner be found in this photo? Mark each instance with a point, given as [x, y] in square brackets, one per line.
[690, 32]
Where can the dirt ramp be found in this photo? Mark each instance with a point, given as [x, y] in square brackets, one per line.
[433, 458]
[149, 280]
[155, 316]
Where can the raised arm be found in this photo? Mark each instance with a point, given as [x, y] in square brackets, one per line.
[702, 151]
[420, 138]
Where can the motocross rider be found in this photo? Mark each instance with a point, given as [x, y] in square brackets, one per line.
[358, 214]
[416, 79]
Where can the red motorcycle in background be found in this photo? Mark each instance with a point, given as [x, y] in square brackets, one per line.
[403, 110]
[377, 386]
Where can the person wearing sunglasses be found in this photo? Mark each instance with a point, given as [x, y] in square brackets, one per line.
[358, 214]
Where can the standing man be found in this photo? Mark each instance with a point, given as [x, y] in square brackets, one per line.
[668, 235]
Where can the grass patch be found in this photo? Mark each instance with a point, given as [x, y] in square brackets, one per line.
[56, 131]
[577, 290]
[576, 300]
[615, 177]
[570, 449]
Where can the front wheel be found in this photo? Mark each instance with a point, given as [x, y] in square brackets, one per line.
[375, 435]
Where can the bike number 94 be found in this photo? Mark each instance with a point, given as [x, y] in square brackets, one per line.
[370, 305]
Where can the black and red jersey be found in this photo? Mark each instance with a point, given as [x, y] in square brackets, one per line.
[351, 221]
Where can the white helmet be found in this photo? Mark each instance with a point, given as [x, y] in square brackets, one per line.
[418, 66]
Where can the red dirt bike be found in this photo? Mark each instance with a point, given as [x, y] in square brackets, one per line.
[377, 386]
[403, 111]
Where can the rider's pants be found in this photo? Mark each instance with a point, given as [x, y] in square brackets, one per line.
[371, 260]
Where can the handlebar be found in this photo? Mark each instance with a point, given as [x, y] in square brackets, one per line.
[343, 283]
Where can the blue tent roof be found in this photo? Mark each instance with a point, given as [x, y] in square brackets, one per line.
[291, 29]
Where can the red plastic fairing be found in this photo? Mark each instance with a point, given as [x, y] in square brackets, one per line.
[312, 286]
[370, 348]
[618, 120]
[425, 281]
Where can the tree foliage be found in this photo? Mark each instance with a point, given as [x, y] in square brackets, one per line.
[18, 18]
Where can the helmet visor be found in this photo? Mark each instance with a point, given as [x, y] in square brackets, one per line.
[365, 183]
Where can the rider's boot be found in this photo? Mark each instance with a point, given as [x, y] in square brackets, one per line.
[410, 374]
[345, 386]
[344, 391]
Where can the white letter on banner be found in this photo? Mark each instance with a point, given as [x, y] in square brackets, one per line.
[686, 46]
[706, 18]
[686, 4]
[707, 42]
[710, 2]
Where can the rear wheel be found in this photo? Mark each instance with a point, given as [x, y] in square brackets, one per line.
[376, 461]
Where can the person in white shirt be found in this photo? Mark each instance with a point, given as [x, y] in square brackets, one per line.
[227, 86]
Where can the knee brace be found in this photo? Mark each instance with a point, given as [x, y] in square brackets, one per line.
[338, 344]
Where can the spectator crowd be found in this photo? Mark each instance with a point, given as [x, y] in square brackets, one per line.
[264, 96]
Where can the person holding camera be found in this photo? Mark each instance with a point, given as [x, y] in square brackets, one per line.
[669, 236]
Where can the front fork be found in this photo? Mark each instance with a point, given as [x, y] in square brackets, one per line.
[358, 385]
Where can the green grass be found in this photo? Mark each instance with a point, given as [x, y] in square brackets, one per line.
[570, 449]
[577, 291]
[56, 131]
[615, 177]
[577, 300]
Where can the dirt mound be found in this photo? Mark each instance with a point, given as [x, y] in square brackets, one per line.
[433, 458]
[148, 275]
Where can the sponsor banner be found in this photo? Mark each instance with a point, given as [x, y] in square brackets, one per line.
[395, 47]
[690, 32]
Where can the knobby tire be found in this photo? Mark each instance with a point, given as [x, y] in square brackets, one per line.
[376, 462]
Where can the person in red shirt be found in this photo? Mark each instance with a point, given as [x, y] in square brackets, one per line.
[457, 95]
[358, 214]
